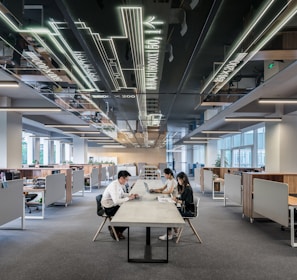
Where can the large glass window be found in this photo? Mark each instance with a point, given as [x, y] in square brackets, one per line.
[243, 150]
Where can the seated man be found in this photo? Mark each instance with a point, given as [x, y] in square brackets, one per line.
[113, 196]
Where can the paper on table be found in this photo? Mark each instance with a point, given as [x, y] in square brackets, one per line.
[165, 199]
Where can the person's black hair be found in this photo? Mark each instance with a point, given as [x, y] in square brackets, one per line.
[168, 171]
[123, 173]
[184, 177]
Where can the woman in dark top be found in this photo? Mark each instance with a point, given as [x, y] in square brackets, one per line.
[184, 202]
[185, 199]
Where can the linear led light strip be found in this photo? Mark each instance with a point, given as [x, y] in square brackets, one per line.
[221, 131]
[253, 119]
[278, 26]
[43, 31]
[277, 100]
[133, 26]
[102, 52]
[47, 32]
[238, 43]
[89, 83]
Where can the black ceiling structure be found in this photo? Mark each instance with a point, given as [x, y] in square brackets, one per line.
[142, 71]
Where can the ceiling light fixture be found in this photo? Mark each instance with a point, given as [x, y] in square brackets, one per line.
[82, 132]
[9, 84]
[29, 109]
[112, 146]
[66, 125]
[94, 137]
[253, 119]
[221, 131]
[215, 103]
[205, 138]
[195, 142]
[278, 100]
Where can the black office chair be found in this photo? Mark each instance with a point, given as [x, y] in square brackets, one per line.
[188, 220]
[28, 201]
[101, 213]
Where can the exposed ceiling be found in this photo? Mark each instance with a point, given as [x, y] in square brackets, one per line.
[141, 71]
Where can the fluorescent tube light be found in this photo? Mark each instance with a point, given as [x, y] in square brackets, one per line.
[209, 103]
[253, 119]
[66, 125]
[278, 100]
[82, 132]
[195, 142]
[205, 138]
[9, 84]
[95, 137]
[112, 146]
[221, 131]
[27, 109]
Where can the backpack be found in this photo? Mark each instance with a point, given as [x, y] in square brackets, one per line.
[100, 209]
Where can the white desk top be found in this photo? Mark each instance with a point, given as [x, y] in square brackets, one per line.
[147, 211]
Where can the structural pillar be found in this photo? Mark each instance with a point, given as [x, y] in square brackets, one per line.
[80, 150]
[280, 145]
[11, 140]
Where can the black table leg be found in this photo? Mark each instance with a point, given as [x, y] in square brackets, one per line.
[148, 250]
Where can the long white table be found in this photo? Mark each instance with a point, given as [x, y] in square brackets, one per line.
[147, 212]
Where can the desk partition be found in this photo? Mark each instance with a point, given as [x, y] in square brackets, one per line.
[271, 200]
[11, 202]
[207, 180]
[55, 189]
[233, 189]
[78, 181]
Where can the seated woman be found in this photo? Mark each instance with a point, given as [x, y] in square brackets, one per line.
[184, 202]
[185, 199]
[170, 184]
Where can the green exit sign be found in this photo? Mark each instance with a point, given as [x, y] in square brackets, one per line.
[271, 65]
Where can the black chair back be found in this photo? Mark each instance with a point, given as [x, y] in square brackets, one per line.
[100, 209]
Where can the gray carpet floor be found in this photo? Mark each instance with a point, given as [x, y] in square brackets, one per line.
[61, 247]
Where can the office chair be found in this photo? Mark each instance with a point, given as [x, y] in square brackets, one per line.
[28, 198]
[188, 220]
[101, 213]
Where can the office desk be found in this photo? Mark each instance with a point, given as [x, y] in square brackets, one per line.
[31, 189]
[147, 212]
[292, 201]
[221, 183]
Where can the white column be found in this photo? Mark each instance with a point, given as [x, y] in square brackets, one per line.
[11, 140]
[36, 149]
[80, 150]
[51, 152]
[211, 153]
[280, 145]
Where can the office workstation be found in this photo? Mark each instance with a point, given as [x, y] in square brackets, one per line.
[204, 87]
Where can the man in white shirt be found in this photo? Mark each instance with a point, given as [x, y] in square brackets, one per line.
[113, 196]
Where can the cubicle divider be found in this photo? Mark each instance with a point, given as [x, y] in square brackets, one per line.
[11, 202]
[207, 181]
[271, 200]
[111, 172]
[55, 189]
[233, 188]
[103, 175]
[94, 178]
[78, 182]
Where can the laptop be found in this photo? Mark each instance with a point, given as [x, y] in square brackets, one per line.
[146, 186]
